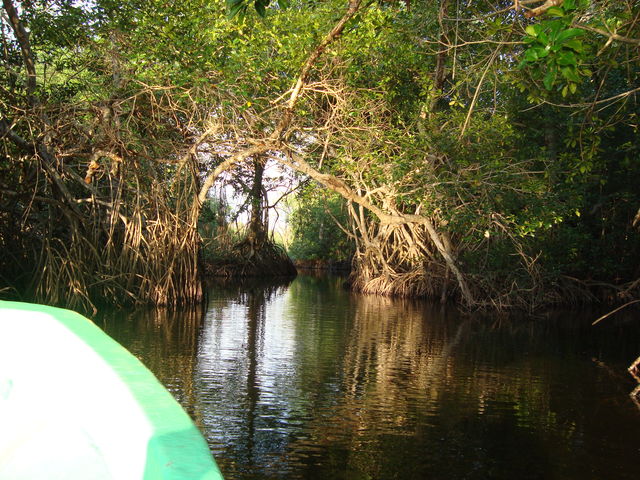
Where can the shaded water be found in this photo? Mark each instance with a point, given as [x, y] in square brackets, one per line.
[309, 381]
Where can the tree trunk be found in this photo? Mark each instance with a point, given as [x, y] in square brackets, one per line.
[257, 229]
[25, 47]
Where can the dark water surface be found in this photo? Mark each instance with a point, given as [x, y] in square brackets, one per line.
[306, 380]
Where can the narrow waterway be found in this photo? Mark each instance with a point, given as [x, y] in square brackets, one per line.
[305, 380]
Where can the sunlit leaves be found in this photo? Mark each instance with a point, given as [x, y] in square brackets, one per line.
[556, 52]
[312, 220]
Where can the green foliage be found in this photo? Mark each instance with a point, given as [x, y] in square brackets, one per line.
[316, 236]
[417, 113]
[555, 52]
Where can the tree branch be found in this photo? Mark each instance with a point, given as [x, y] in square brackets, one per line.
[477, 93]
[274, 142]
[611, 36]
[25, 46]
[535, 12]
[48, 160]
[228, 164]
[283, 125]
[340, 187]
[303, 76]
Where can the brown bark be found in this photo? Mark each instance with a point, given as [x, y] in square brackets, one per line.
[339, 186]
[634, 369]
[261, 146]
[228, 164]
[303, 76]
[257, 230]
[25, 46]
[274, 142]
[611, 35]
[535, 12]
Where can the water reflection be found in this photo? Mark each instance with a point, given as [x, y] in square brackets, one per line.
[309, 381]
[165, 341]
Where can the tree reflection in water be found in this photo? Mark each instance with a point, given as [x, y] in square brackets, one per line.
[309, 381]
[165, 340]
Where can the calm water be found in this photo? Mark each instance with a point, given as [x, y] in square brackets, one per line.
[305, 380]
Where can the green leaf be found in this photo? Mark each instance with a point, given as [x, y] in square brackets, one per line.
[549, 79]
[531, 55]
[575, 45]
[566, 58]
[233, 3]
[543, 37]
[569, 33]
[238, 8]
[542, 52]
[532, 30]
[555, 28]
[556, 47]
[571, 74]
[555, 12]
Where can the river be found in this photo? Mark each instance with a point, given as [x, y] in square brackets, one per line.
[305, 380]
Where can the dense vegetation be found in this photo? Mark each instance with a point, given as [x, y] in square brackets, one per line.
[480, 151]
[319, 222]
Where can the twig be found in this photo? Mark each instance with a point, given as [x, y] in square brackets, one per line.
[612, 36]
[477, 93]
[614, 311]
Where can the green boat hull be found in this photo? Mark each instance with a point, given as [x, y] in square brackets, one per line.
[75, 404]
